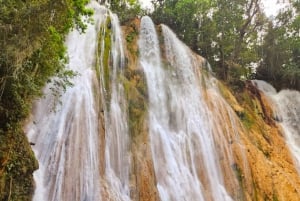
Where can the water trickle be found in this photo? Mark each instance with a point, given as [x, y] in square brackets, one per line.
[286, 110]
[117, 153]
[68, 142]
[182, 142]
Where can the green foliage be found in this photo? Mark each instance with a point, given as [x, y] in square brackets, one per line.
[126, 9]
[226, 33]
[17, 163]
[131, 36]
[223, 31]
[238, 172]
[280, 52]
[104, 56]
[136, 94]
[247, 116]
[78, 10]
[32, 34]
[247, 120]
[32, 37]
[275, 198]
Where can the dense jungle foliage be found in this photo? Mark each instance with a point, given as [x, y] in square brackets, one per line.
[32, 34]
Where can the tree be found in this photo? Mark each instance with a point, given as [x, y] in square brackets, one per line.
[32, 39]
[223, 31]
[281, 49]
[126, 9]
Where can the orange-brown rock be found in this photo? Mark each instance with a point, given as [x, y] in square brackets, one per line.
[255, 160]
[271, 170]
[143, 180]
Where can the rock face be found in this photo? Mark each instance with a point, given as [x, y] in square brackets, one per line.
[142, 174]
[270, 173]
[256, 163]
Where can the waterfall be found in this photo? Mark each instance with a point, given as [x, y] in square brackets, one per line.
[181, 134]
[69, 141]
[286, 110]
[117, 153]
[150, 122]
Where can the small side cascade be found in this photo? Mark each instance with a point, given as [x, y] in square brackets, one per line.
[286, 111]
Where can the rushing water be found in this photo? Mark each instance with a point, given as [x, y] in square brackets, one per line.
[180, 130]
[117, 155]
[286, 110]
[67, 140]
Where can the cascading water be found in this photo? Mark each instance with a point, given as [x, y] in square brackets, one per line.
[191, 146]
[286, 109]
[67, 142]
[185, 158]
[117, 153]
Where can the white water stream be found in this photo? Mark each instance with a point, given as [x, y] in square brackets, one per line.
[117, 150]
[180, 130]
[286, 110]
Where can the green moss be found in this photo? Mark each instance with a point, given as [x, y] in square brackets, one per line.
[106, 57]
[275, 198]
[103, 64]
[247, 99]
[17, 165]
[223, 90]
[131, 38]
[241, 179]
[247, 120]
[238, 172]
[136, 94]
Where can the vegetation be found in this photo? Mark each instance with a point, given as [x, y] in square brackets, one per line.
[32, 39]
[104, 58]
[135, 90]
[236, 36]
[17, 162]
[33, 51]
[281, 49]
[134, 81]
[126, 9]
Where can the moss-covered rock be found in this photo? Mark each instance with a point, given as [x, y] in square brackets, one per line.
[270, 173]
[103, 65]
[135, 89]
[17, 165]
[143, 180]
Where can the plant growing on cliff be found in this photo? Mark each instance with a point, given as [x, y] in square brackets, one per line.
[126, 9]
[32, 37]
